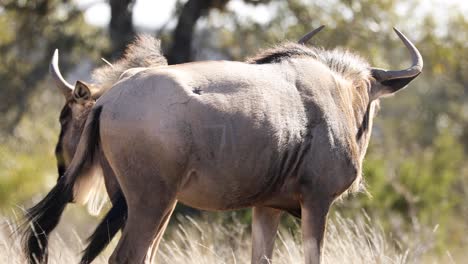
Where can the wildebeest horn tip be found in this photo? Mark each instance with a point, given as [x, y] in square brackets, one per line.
[309, 35]
[61, 83]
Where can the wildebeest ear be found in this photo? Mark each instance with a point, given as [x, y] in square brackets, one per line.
[390, 86]
[81, 92]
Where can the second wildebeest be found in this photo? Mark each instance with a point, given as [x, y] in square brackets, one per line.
[286, 131]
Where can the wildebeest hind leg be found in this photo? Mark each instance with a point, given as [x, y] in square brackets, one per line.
[141, 229]
[151, 254]
[264, 227]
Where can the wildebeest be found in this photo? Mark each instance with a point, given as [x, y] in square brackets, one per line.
[285, 131]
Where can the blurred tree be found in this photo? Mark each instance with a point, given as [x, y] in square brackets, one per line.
[29, 33]
[182, 37]
[181, 49]
[121, 26]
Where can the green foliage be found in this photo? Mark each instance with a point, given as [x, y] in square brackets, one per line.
[419, 185]
[27, 161]
[22, 174]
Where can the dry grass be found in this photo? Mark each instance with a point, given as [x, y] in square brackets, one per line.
[208, 242]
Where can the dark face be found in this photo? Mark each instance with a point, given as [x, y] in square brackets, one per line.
[65, 120]
[365, 128]
[72, 119]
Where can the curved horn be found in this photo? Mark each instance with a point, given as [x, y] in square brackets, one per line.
[309, 35]
[54, 70]
[399, 79]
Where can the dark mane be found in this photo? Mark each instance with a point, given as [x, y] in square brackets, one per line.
[282, 52]
[343, 62]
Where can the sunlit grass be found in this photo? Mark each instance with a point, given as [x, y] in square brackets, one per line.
[205, 242]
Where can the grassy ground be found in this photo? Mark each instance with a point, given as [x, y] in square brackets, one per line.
[208, 241]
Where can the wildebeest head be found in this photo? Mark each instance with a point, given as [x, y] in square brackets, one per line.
[80, 98]
[379, 83]
[386, 82]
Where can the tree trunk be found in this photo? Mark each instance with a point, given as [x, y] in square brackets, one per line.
[181, 49]
[121, 26]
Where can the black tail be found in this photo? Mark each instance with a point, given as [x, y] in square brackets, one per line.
[44, 217]
[109, 226]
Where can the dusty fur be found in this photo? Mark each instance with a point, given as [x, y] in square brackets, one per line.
[348, 67]
[145, 51]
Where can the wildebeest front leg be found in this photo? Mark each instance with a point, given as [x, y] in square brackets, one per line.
[265, 222]
[314, 217]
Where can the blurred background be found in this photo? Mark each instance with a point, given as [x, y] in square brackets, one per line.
[416, 167]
